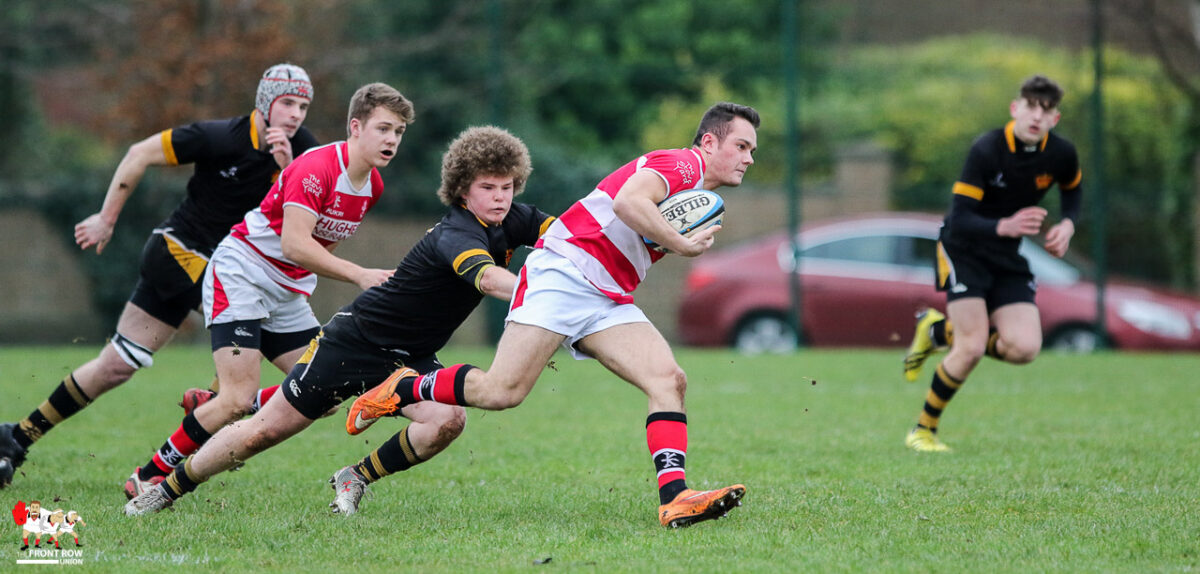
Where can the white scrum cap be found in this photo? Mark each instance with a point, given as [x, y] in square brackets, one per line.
[278, 81]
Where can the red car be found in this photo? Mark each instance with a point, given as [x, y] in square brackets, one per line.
[864, 278]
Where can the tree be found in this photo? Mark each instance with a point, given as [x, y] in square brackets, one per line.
[1173, 32]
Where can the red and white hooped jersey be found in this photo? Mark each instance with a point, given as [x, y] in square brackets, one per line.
[611, 254]
[316, 181]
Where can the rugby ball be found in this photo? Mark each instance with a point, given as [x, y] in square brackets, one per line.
[690, 212]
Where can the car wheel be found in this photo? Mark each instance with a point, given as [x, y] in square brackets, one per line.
[1077, 339]
[764, 334]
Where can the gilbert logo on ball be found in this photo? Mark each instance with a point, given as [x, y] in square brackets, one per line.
[691, 211]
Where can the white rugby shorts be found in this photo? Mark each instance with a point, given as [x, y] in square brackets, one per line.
[237, 288]
[553, 294]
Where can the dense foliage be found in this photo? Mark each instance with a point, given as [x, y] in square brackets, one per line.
[587, 84]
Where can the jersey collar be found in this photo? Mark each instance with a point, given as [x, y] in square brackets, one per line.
[463, 207]
[254, 129]
[703, 166]
[1010, 136]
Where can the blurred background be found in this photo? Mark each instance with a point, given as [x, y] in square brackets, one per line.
[867, 106]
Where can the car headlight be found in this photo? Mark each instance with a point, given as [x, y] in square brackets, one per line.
[1155, 318]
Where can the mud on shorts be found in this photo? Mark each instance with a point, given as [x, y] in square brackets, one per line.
[999, 277]
[169, 286]
[340, 364]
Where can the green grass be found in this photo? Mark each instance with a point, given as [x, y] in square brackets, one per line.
[1072, 464]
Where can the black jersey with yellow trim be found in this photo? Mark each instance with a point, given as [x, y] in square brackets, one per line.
[1003, 175]
[231, 176]
[436, 286]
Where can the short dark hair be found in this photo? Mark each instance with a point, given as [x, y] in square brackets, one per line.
[371, 96]
[716, 120]
[1042, 91]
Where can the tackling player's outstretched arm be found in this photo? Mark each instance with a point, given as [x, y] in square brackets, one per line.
[497, 282]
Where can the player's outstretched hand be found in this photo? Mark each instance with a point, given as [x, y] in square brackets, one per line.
[93, 231]
[1027, 221]
[1058, 238]
[372, 277]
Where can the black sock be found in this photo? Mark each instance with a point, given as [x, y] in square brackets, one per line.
[66, 400]
[941, 390]
[937, 332]
[395, 455]
[180, 481]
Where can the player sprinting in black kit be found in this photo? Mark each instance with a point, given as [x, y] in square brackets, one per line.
[236, 160]
[989, 288]
[402, 323]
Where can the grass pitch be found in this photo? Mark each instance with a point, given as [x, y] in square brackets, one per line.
[1072, 464]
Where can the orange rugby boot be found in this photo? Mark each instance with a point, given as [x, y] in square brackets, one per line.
[692, 506]
[378, 402]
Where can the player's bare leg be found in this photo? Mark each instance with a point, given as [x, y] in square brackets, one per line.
[1018, 333]
[434, 426]
[971, 325]
[238, 369]
[521, 355]
[229, 447]
[638, 353]
[236, 443]
[108, 370]
[138, 332]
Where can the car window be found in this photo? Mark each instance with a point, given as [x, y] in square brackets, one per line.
[917, 251]
[871, 249]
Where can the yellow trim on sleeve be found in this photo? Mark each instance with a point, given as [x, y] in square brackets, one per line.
[479, 275]
[254, 129]
[968, 190]
[467, 255]
[168, 149]
[1075, 182]
[546, 225]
